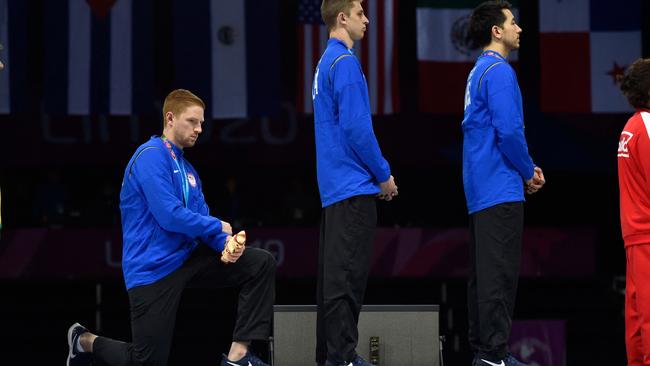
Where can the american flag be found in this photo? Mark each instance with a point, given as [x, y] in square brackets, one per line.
[377, 52]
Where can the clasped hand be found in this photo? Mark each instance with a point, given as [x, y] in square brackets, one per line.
[535, 183]
[388, 189]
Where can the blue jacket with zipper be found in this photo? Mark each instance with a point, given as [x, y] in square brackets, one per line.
[159, 228]
[348, 159]
[495, 154]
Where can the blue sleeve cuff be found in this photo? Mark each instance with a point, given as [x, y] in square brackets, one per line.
[217, 242]
[531, 174]
[383, 176]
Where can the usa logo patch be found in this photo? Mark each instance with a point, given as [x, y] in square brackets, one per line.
[191, 180]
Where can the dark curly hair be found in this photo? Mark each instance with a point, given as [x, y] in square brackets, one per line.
[483, 17]
[635, 83]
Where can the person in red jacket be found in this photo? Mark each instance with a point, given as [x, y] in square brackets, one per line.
[634, 187]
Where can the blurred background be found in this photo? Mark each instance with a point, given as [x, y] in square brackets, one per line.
[83, 86]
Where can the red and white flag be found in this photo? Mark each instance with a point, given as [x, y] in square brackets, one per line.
[584, 46]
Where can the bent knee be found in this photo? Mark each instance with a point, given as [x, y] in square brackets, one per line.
[269, 260]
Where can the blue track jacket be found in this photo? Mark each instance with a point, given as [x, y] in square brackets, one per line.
[495, 154]
[348, 159]
[159, 230]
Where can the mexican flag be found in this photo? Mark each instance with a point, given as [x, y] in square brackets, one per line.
[444, 61]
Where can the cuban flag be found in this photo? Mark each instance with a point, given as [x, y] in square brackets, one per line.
[584, 46]
[98, 57]
[228, 53]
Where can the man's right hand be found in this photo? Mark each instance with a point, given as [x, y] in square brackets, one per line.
[233, 250]
[226, 228]
[535, 183]
[388, 189]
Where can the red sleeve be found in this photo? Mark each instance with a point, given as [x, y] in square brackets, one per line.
[642, 153]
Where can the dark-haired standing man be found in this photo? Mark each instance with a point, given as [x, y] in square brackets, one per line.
[496, 171]
[633, 176]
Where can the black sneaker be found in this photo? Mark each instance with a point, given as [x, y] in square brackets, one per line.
[76, 358]
[248, 360]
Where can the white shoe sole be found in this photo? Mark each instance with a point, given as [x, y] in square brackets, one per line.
[70, 345]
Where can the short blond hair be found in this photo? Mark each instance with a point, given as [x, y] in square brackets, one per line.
[178, 101]
[330, 9]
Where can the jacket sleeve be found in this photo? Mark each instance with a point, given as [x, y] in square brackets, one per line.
[215, 241]
[642, 147]
[351, 93]
[507, 119]
[154, 175]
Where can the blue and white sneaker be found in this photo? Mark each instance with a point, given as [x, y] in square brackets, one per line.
[76, 358]
[358, 361]
[508, 361]
[248, 360]
[511, 361]
[483, 362]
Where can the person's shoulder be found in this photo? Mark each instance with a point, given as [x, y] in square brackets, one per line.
[150, 150]
[501, 69]
[146, 157]
[639, 122]
[333, 52]
[500, 72]
[345, 69]
[345, 60]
